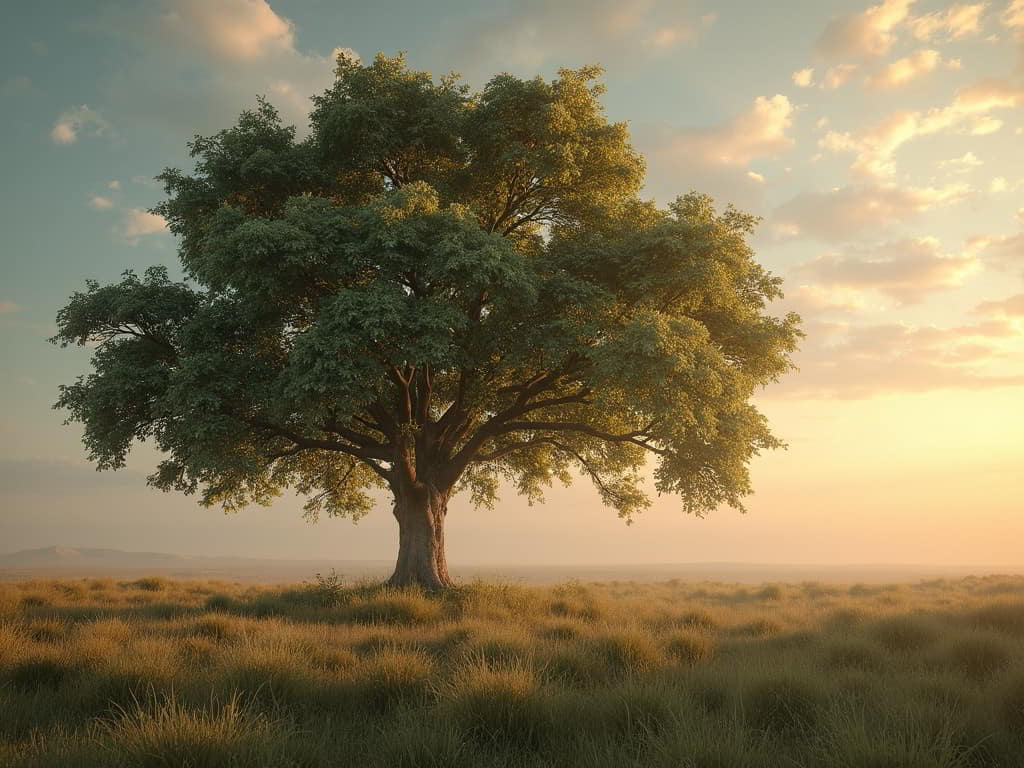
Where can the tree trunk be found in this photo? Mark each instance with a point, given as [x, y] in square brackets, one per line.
[421, 560]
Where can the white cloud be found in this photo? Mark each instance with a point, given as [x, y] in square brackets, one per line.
[114, 184]
[78, 120]
[998, 184]
[715, 159]
[101, 203]
[869, 33]
[8, 307]
[242, 48]
[957, 21]
[235, 29]
[875, 146]
[1013, 306]
[907, 69]
[803, 77]
[1013, 16]
[962, 164]
[138, 223]
[859, 212]
[759, 131]
[753, 176]
[904, 271]
[999, 251]
[837, 77]
[844, 361]
[527, 36]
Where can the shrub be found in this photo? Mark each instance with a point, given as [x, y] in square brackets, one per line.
[389, 678]
[854, 655]
[498, 703]
[979, 657]
[165, 732]
[394, 607]
[33, 674]
[689, 648]
[150, 584]
[905, 634]
[1011, 703]
[626, 651]
[1004, 617]
[219, 602]
[784, 705]
[698, 619]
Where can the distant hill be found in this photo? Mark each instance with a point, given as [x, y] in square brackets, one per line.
[68, 562]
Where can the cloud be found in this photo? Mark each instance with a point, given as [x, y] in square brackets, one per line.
[759, 131]
[875, 146]
[857, 212]
[138, 223]
[837, 360]
[957, 21]
[525, 36]
[78, 120]
[239, 48]
[114, 184]
[753, 176]
[962, 164]
[998, 184]
[101, 203]
[1012, 306]
[869, 33]
[1000, 252]
[8, 307]
[904, 271]
[1013, 16]
[242, 30]
[837, 77]
[715, 159]
[803, 77]
[907, 69]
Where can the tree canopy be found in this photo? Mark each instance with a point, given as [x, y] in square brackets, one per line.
[434, 290]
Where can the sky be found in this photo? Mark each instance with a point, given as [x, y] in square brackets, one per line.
[879, 144]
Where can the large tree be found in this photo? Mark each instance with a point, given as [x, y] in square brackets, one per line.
[433, 291]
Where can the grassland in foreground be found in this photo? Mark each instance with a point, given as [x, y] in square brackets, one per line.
[159, 673]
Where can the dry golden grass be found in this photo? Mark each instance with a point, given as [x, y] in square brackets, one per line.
[172, 673]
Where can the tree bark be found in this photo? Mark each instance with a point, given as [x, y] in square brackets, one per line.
[420, 513]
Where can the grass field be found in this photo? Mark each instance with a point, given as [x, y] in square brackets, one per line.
[151, 672]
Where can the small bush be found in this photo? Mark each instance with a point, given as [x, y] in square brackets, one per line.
[1011, 704]
[35, 674]
[166, 732]
[761, 628]
[698, 619]
[1003, 617]
[150, 584]
[626, 651]
[47, 631]
[219, 602]
[905, 634]
[689, 648]
[784, 705]
[499, 704]
[389, 678]
[979, 657]
[854, 655]
[396, 607]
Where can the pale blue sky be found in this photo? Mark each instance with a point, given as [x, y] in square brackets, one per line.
[890, 180]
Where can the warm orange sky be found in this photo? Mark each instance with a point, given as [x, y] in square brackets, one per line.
[879, 142]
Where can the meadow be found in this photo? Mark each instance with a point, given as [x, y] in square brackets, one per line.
[152, 672]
